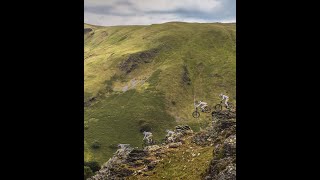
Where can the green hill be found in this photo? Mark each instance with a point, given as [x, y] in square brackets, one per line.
[146, 78]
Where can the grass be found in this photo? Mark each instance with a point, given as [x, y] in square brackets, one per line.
[206, 50]
[118, 119]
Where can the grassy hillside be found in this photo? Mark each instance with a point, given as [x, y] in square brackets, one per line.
[146, 77]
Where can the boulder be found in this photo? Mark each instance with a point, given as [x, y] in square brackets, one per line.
[174, 145]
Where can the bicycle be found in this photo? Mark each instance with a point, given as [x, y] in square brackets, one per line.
[218, 107]
[196, 113]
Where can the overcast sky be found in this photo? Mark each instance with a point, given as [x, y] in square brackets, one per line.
[138, 12]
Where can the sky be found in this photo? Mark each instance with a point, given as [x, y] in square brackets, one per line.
[144, 12]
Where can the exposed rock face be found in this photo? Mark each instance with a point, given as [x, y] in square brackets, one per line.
[86, 30]
[138, 58]
[223, 164]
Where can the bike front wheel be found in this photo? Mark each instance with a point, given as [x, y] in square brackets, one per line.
[195, 114]
[218, 107]
[207, 109]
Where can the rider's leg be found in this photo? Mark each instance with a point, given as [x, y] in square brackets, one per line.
[203, 107]
[226, 103]
[149, 139]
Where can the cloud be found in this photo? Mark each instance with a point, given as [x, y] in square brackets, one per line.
[139, 12]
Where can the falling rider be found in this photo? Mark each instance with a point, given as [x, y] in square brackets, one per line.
[147, 136]
[225, 98]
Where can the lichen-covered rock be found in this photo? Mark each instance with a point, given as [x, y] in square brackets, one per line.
[224, 115]
[202, 138]
[174, 145]
[178, 134]
[229, 146]
[135, 155]
[229, 173]
[184, 129]
[151, 148]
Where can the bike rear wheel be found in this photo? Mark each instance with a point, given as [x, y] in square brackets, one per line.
[230, 106]
[195, 114]
[218, 107]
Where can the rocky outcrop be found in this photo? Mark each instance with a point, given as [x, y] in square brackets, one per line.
[128, 161]
[223, 164]
[114, 169]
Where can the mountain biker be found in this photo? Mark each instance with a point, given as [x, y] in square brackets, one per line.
[225, 98]
[123, 146]
[147, 136]
[202, 105]
[170, 133]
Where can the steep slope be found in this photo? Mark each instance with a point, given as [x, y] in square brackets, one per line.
[146, 78]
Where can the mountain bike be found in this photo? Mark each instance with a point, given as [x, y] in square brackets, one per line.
[218, 107]
[196, 113]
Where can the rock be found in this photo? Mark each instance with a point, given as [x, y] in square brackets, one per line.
[184, 129]
[175, 145]
[223, 135]
[135, 155]
[229, 146]
[223, 115]
[201, 138]
[151, 166]
[229, 173]
[152, 148]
